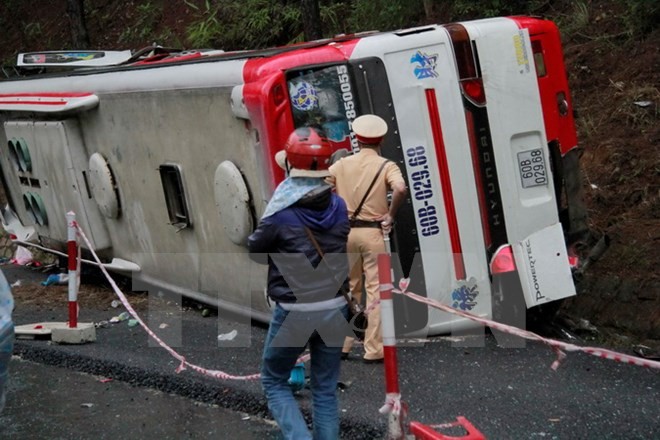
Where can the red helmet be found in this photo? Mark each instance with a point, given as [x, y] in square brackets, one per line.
[307, 149]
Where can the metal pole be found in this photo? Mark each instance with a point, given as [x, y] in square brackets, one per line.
[395, 429]
[388, 250]
[72, 251]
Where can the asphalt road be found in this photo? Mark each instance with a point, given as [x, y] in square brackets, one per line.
[506, 393]
[54, 403]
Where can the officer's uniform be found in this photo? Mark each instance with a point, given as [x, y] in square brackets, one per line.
[351, 177]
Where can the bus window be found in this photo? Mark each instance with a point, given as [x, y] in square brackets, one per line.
[323, 97]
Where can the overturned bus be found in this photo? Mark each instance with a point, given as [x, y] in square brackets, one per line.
[167, 158]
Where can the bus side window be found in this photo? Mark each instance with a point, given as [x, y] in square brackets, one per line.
[175, 196]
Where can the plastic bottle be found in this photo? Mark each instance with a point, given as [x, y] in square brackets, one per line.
[56, 278]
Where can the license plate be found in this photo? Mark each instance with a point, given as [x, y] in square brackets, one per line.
[533, 171]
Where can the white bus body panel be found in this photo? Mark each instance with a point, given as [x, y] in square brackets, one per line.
[181, 77]
[540, 259]
[413, 119]
[515, 112]
[153, 116]
[58, 160]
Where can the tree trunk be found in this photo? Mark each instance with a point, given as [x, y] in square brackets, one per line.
[75, 9]
[429, 10]
[311, 16]
[438, 11]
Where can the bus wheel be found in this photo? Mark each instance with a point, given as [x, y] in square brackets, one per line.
[541, 318]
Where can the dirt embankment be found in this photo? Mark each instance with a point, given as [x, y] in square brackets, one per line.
[614, 83]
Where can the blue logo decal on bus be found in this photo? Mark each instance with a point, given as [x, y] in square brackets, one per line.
[464, 297]
[425, 65]
[303, 96]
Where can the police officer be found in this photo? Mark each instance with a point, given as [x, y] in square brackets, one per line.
[363, 181]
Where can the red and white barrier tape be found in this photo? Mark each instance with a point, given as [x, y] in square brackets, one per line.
[557, 346]
[372, 306]
[217, 374]
[392, 404]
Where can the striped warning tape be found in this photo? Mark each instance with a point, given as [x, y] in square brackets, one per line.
[557, 346]
[183, 363]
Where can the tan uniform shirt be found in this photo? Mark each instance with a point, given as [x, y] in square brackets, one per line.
[352, 175]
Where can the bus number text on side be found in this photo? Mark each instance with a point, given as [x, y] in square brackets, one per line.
[422, 190]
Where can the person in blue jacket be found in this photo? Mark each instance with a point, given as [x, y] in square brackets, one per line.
[6, 335]
[310, 311]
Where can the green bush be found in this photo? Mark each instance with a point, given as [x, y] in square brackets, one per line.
[468, 9]
[642, 18]
[384, 15]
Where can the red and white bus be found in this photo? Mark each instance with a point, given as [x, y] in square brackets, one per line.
[167, 158]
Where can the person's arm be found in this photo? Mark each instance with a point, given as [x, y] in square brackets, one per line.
[399, 191]
[332, 179]
[261, 241]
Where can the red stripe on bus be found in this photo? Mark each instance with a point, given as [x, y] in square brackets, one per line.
[445, 181]
[46, 95]
[33, 102]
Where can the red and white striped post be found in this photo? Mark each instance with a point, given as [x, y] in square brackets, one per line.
[395, 429]
[395, 407]
[72, 251]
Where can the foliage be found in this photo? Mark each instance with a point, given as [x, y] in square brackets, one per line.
[206, 29]
[245, 24]
[334, 18]
[468, 9]
[384, 14]
[253, 24]
[576, 21]
[147, 17]
[628, 19]
[33, 30]
[642, 16]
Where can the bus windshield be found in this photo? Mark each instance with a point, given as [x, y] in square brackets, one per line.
[322, 97]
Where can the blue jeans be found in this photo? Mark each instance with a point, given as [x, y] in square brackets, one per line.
[288, 335]
[6, 348]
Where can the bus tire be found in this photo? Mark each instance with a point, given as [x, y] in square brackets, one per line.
[509, 308]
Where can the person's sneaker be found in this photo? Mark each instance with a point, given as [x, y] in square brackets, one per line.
[344, 355]
[373, 361]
